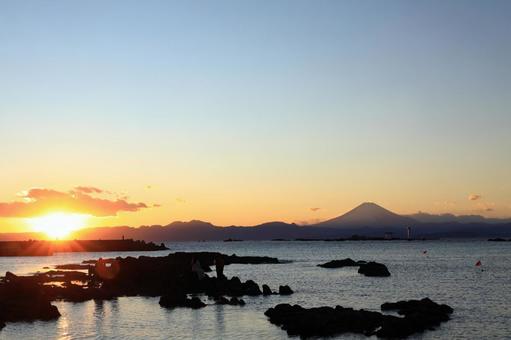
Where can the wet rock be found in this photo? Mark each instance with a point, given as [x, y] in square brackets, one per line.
[323, 321]
[195, 303]
[216, 287]
[419, 316]
[425, 305]
[61, 276]
[24, 300]
[267, 290]
[236, 302]
[341, 263]
[285, 290]
[180, 300]
[75, 293]
[222, 300]
[251, 288]
[144, 276]
[374, 269]
[72, 266]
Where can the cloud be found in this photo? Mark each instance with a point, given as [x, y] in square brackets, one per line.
[474, 197]
[486, 206]
[40, 201]
[314, 209]
[308, 222]
[88, 190]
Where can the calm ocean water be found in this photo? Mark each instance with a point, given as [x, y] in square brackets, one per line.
[481, 298]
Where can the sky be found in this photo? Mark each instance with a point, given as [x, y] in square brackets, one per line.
[241, 112]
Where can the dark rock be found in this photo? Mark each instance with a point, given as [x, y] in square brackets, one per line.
[216, 287]
[419, 315]
[23, 299]
[195, 303]
[61, 276]
[236, 302]
[180, 300]
[285, 290]
[267, 290]
[323, 321]
[425, 306]
[145, 276]
[76, 293]
[251, 288]
[374, 269]
[72, 266]
[222, 300]
[340, 263]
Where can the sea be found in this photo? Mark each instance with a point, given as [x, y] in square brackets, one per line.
[443, 270]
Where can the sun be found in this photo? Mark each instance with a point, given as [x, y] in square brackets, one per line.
[58, 225]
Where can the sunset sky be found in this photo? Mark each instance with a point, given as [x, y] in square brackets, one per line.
[241, 112]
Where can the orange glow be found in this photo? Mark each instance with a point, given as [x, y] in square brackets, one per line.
[58, 225]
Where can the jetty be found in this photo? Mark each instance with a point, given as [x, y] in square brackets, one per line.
[48, 248]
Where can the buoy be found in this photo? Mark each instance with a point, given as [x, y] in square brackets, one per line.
[478, 263]
[424, 251]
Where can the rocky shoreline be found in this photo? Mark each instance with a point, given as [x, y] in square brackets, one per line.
[28, 298]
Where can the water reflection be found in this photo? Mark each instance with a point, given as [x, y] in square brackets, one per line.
[220, 320]
[446, 275]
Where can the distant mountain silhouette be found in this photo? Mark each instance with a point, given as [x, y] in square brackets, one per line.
[368, 219]
[198, 230]
[369, 215]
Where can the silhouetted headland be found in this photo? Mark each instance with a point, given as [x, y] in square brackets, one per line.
[48, 248]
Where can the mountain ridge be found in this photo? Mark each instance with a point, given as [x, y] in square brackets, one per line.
[367, 219]
[368, 214]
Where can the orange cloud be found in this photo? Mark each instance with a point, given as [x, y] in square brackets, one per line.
[88, 190]
[474, 197]
[39, 201]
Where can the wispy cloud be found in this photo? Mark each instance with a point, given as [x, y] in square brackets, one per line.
[474, 197]
[308, 222]
[486, 206]
[88, 190]
[39, 201]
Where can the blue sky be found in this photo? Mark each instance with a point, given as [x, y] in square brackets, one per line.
[248, 105]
